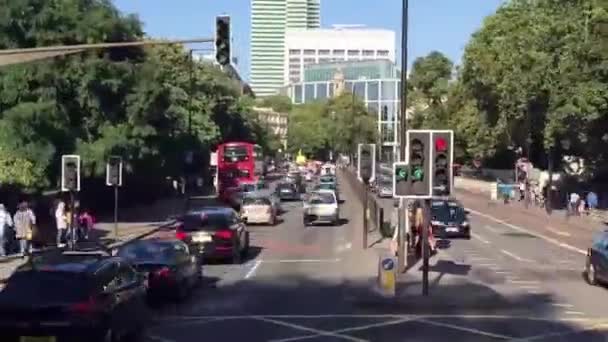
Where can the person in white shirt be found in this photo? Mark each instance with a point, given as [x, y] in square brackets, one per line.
[62, 223]
[574, 198]
[5, 223]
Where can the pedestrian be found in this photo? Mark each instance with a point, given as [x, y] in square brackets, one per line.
[24, 221]
[592, 200]
[522, 191]
[6, 223]
[61, 223]
[573, 203]
[86, 221]
[395, 226]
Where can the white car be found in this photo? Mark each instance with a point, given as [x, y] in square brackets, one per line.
[259, 210]
[321, 207]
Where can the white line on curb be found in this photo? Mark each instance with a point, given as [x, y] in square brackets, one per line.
[253, 269]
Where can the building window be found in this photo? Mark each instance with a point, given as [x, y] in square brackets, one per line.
[372, 91]
[294, 52]
[348, 86]
[387, 132]
[359, 90]
[309, 93]
[309, 52]
[383, 53]
[294, 60]
[353, 52]
[338, 59]
[368, 53]
[324, 60]
[322, 91]
[372, 108]
[388, 114]
[331, 90]
[323, 52]
[388, 90]
[298, 94]
[308, 61]
[338, 52]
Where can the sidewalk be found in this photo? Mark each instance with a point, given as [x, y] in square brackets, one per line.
[156, 216]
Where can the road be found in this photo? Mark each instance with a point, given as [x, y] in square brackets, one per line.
[316, 284]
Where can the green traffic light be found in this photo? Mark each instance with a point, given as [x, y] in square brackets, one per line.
[417, 174]
[401, 174]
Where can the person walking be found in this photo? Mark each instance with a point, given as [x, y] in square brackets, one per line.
[24, 221]
[61, 222]
[592, 200]
[86, 221]
[6, 222]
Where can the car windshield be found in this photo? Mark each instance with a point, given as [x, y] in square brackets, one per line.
[327, 186]
[148, 251]
[321, 198]
[327, 180]
[447, 211]
[256, 201]
[205, 221]
[285, 187]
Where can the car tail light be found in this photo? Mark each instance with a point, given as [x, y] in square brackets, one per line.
[179, 234]
[88, 306]
[225, 234]
[269, 210]
[164, 272]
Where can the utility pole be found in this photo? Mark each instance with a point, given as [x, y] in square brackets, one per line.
[402, 133]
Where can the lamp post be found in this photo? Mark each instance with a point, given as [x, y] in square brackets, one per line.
[565, 144]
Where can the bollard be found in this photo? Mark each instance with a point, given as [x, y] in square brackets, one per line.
[381, 219]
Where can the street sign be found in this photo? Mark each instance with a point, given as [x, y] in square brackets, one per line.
[366, 163]
[114, 171]
[387, 275]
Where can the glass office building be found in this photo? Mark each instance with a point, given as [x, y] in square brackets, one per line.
[380, 95]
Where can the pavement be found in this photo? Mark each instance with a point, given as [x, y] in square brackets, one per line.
[132, 227]
[318, 284]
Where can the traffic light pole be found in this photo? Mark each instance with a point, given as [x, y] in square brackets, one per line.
[72, 216]
[403, 128]
[365, 223]
[116, 212]
[425, 247]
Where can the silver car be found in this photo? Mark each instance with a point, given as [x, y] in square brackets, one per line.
[321, 207]
[385, 190]
[258, 210]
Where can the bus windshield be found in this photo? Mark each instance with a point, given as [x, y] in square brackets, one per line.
[235, 153]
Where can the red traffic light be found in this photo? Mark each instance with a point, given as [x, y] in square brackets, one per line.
[441, 145]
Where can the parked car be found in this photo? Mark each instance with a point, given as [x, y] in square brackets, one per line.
[321, 207]
[596, 264]
[74, 296]
[214, 233]
[167, 264]
[259, 210]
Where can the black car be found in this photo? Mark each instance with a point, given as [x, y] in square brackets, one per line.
[287, 192]
[69, 296]
[168, 266]
[214, 233]
[596, 265]
[449, 218]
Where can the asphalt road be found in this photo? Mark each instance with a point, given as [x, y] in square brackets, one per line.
[316, 284]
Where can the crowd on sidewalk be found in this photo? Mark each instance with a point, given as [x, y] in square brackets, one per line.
[18, 232]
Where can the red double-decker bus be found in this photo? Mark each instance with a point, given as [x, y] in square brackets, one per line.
[235, 165]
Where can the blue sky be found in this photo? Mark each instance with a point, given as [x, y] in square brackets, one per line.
[443, 25]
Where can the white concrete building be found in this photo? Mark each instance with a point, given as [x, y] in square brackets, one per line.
[269, 20]
[340, 43]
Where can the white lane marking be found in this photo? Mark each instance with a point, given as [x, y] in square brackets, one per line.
[502, 272]
[480, 259]
[523, 230]
[562, 305]
[480, 238]
[344, 247]
[524, 282]
[492, 229]
[557, 231]
[253, 269]
[579, 313]
[349, 330]
[515, 256]
[316, 331]
[560, 334]
[159, 339]
[287, 261]
[530, 287]
[471, 330]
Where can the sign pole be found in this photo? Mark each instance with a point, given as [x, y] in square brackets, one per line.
[365, 209]
[116, 211]
[72, 215]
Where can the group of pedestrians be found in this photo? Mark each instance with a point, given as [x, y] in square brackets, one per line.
[416, 219]
[577, 205]
[18, 231]
[21, 226]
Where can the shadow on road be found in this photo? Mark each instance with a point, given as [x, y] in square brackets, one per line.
[300, 308]
[254, 252]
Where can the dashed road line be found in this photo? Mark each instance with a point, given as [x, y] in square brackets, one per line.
[562, 305]
[515, 256]
[523, 230]
[578, 313]
[492, 229]
[310, 261]
[524, 282]
[503, 272]
[476, 236]
[557, 231]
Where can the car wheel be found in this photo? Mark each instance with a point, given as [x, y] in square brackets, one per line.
[590, 273]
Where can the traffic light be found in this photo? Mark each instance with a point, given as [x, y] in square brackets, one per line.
[114, 171]
[366, 162]
[442, 162]
[418, 142]
[222, 40]
[401, 184]
[70, 172]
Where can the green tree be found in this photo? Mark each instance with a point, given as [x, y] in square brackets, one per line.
[279, 103]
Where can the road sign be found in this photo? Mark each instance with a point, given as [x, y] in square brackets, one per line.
[387, 275]
[366, 163]
[114, 171]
